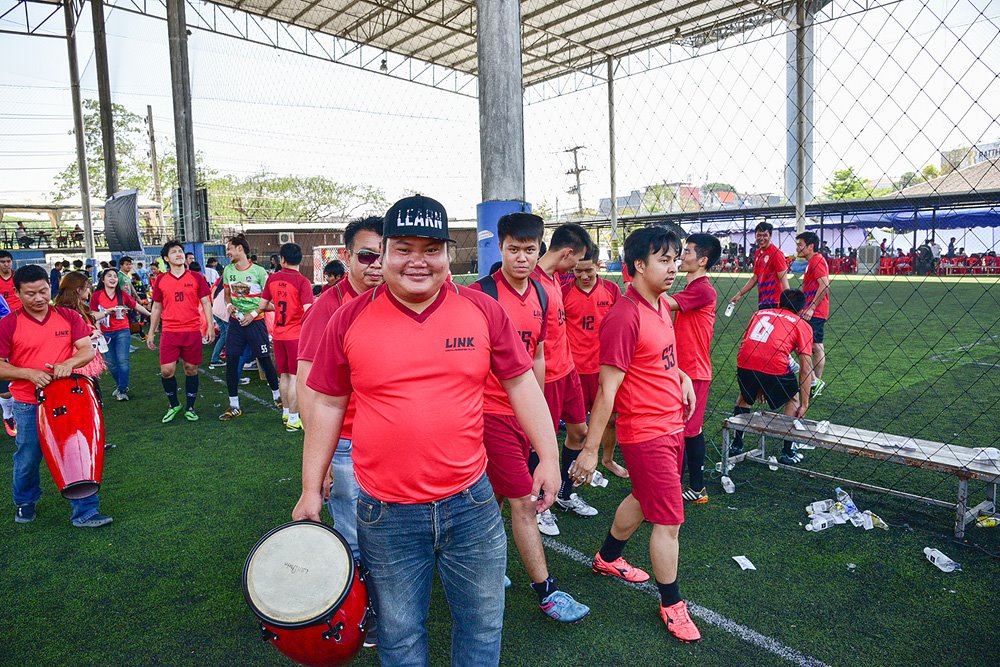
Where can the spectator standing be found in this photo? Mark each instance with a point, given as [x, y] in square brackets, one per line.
[211, 270]
[333, 273]
[110, 306]
[55, 275]
[816, 286]
[770, 270]
[7, 289]
[951, 248]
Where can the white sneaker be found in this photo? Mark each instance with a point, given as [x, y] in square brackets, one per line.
[244, 380]
[547, 524]
[577, 505]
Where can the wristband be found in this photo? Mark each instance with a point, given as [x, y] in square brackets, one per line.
[254, 313]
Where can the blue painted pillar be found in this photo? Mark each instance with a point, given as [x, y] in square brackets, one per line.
[487, 215]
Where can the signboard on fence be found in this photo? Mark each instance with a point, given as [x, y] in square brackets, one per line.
[323, 254]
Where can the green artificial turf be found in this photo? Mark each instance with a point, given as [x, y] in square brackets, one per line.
[161, 585]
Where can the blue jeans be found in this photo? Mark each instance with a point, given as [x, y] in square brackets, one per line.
[220, 342]
[343, 502]
[27, 459]
[119, 343]
[464, 537]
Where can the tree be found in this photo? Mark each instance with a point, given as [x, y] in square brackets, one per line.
[908, 178]
[846, 184]
[718, 186]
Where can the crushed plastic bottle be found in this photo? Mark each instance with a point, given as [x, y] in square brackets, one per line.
[728, 485]
[818, 523]
[987, 522]
[876, 520]
[772, 463]
[941, 561]
[598, 480]
[820, 506]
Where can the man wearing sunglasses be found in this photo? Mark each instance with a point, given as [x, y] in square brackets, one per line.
[416, 354]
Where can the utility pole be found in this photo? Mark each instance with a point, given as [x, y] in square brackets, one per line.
[576, 171]
[157, 194]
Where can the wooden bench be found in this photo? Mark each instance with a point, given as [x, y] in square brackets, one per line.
[923, 454]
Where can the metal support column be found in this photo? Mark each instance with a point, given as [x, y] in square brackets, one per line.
[799, 110]
[501, 121]
[104, 98]
[613, 181]
[81, 150]
[180, 86]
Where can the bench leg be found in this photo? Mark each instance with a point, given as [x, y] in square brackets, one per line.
[963, 501]
[726, 437]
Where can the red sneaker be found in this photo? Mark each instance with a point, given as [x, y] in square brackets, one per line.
[10, 426]
[679, 623]
[619, 568]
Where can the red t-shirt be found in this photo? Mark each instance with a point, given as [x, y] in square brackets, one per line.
[181, 299]
[767, 264]
[290, 291]
[770, 338]
[816, 269]
[9, 294]
[639, 340]
[27, 343]
[100, 300]
[418, 380]
[584, 314]
[558, 357]
[525, 313]
[316, 319]
[694, 326]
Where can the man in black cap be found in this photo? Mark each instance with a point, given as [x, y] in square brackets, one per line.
[419, 351]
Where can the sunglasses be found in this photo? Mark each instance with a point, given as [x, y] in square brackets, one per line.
[367, 257]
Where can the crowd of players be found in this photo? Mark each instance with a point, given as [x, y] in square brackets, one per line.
[426, 405]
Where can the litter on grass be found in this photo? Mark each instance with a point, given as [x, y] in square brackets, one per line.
[827, 513]
[744, 563]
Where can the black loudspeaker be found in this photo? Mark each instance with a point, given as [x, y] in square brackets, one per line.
[121, 222]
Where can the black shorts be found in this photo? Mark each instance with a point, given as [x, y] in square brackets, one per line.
[4, 386]
[253, 335]
[777, 389]
[817, 326]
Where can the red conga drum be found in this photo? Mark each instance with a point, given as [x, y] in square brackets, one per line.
[310, 596]
[71, 434]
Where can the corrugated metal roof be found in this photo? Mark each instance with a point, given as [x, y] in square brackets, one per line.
[557, 36]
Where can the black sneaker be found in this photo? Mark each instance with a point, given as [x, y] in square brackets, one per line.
[792, 459]
[95, 521]
[24, 513]
[735, 450]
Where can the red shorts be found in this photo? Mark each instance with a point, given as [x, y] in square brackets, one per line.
[286, 355]
[565, 399]
[654, 468]
[507, 449]
[589, 384]
[184, 345]
[692, 426]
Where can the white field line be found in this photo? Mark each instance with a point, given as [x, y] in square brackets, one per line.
[712, 618]
[242, 392]
[739, 631]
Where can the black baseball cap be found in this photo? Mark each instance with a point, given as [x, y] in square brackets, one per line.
[417, 216]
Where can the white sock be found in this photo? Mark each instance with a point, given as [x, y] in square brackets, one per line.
[285, 413]
[234, 402]
[8, 407]
[293, 417]
[276, 394]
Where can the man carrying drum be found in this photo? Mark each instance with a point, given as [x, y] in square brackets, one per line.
[40, 343]
[416, 353]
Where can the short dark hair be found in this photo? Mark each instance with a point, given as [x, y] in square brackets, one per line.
[570, 235]
[125, 258]
[520, 227]
[809, 238]
[194, 266]
[334, 268]
[646, 241]
[241, 241]
[372, 223]
[291, 253]
[591, 254]
[211, 261]
[5, 254]
[29, 273]
[111, 262]
[172, 243]
[188, 253]
[77, 263]
[706, 245]
[764, 227]
[793, 300]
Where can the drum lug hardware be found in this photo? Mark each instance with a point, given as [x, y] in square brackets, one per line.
[369, 614]
[267, 635]
[334, 632]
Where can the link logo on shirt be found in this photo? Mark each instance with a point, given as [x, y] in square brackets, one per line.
[451, 344]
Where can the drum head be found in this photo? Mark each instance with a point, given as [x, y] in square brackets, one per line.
[297, 574]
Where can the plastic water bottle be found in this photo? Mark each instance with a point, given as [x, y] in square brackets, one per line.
[598, 480]
[818, 523]
[727, 485]
[772, 463]
[820, 506]
[730, 309]
[942, 562]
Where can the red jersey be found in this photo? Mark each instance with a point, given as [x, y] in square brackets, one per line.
[770, 338]
[181, 298]
[558, 357]
[100, 300]
[9, 294]
[28, 343]
[418, 380]
[639, 340]
[525, 313]
[694, 326]
[767, 264]
[816, 269]
[289, 291]
[584, 314]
